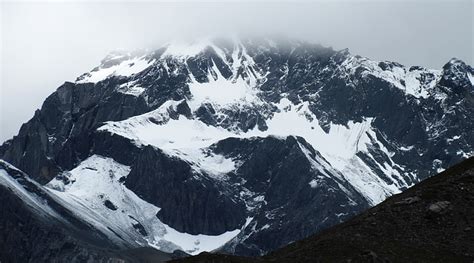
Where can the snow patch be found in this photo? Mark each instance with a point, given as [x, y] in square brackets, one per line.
[214, 165]
[126, 68]
[471, 78]
[189, 138]
[221, 92]
[406, 149]
[131, 88]
[454, 138]
[414, 82]
[195, 244]
[97, 181]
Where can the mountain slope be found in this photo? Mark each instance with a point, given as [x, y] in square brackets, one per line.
[233, 144]
[93, 201]
[430, 222]
[38, 227]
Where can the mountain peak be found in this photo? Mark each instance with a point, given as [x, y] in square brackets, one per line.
[457, 73]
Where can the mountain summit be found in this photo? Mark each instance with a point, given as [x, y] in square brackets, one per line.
[239, 145]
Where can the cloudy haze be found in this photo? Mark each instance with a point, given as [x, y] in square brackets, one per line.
[45, 44]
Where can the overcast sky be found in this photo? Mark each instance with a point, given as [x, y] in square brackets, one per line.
[44, 44]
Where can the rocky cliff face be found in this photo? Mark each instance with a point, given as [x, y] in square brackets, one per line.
[243, 145]
[430, 222]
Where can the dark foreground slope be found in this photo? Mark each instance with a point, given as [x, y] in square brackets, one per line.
[430, 222]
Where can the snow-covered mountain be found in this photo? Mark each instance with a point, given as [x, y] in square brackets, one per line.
[240, 145]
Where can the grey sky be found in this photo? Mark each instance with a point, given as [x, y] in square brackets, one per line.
[44, 44]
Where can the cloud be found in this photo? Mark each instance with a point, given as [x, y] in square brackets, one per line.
[46, 43]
